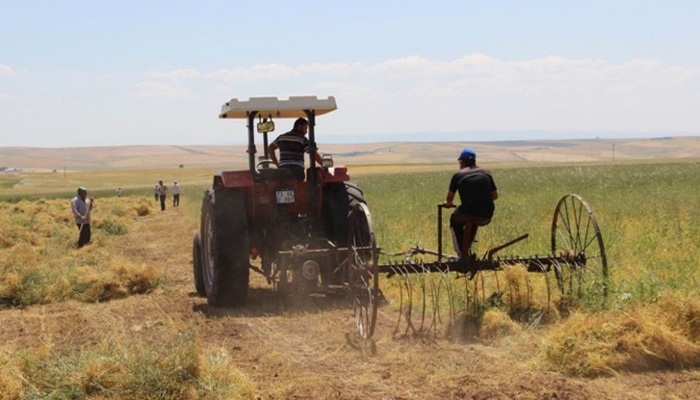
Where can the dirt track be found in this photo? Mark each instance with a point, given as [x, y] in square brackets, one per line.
[304, 351]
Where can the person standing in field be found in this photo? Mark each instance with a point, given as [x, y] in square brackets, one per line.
[162, 192]
[477, 192]
[119, 192]
[81, 207]
[156, 191]
[177, 191]
[292, 146]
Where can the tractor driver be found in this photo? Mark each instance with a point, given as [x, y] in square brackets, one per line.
[292, 146]
[477, 192]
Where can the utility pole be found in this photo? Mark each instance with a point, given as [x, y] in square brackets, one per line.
[613, 151]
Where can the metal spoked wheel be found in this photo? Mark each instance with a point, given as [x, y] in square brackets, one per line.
[363, 270]
[576, 235]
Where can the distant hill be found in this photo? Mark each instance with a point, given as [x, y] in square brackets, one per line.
[139, 157]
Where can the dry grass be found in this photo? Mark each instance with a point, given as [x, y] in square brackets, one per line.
[562, 336]
[39, 263]
[497, 324]
[664, 335]
[180, 368]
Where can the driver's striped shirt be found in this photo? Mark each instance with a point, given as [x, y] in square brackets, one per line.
[292, 146]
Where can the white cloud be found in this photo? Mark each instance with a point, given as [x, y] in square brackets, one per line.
[410, 64]
[551, 93]
[162, 91]
[222, 89]
[176, 75]
[475, 91]
[6, 70]
[256, 72]
[331, 69]
[107, 77]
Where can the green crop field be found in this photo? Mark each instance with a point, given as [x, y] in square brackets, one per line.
[648, 215]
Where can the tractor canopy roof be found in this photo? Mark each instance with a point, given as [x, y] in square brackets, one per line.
[294, 107]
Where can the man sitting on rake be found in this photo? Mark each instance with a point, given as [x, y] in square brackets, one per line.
[477, 192]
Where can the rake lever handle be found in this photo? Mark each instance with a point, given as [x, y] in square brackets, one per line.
[490, 253]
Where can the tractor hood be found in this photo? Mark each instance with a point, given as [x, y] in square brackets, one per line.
[277, 108]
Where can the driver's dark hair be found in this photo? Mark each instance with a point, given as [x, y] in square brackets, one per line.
[299, 122]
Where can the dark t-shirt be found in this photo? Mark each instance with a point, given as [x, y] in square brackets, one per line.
[292, 146]
[474, 185]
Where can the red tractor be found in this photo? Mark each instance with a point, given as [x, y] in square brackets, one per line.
[308, 236]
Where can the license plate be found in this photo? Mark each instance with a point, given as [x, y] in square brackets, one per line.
[285, 196]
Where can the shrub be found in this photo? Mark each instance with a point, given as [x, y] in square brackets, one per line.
[111, 227]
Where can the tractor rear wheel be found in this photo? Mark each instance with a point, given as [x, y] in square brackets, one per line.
[197, 266]
[225, 247]
[354, 192]
[338, 200]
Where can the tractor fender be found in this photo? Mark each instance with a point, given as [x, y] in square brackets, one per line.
[233, 179]
[333, 174]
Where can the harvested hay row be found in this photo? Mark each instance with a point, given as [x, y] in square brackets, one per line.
[39, 263]
[654, 337]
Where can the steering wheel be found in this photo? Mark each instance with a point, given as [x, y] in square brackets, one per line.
[265, 163]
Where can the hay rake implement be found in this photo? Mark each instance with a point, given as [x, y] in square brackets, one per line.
[434, 294]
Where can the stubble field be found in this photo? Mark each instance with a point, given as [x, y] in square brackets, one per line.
[119, 318]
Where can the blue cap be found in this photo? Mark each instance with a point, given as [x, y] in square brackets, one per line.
[467, 154]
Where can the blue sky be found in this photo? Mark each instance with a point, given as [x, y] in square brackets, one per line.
[94, 73]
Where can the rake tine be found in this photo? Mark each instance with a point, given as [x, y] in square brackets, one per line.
[476, 293]
[544, 269]
[466, 291]
[406, 301]
[444, 282]
[450, 299]
[420, 280]
[451, 290]
[409, 310]
[423, 287]
[437, 296]
[396, 271]
[404, 291]
[528, 286]
[434, 294]
[427, 282]
[483, 287]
